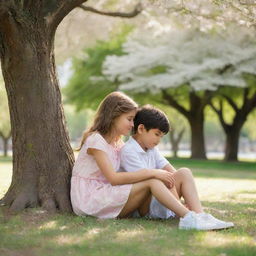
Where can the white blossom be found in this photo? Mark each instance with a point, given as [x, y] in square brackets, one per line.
[202, 60]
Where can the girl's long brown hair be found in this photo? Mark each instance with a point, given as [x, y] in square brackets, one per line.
[113, 105]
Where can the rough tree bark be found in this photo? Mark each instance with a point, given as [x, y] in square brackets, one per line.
[195, 117]
[233, 130]
[42, 155]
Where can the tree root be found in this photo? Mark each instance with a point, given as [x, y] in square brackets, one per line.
[49, 205]
[22, 201]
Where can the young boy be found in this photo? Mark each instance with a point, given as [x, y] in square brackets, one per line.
[140, 152]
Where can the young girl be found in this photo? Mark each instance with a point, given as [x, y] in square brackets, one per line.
[97, 189]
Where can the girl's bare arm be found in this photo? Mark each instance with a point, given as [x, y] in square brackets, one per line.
[119, 178]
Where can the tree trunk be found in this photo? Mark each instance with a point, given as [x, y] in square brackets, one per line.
[196, 122]
[231, 146]
[5, 144]
[175, 148]
[42, 156]
[175, 141]
[195, 117]
[232, 130]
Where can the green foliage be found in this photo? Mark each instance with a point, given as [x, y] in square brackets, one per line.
[77, 122]
[156, 70]
[82, 90]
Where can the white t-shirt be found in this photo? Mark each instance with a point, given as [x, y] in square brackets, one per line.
[134, 158]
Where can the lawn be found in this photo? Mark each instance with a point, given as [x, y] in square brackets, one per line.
[227, 190]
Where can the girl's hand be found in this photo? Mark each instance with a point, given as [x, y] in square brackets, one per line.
[165, 176]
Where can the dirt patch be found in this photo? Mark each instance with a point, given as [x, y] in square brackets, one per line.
[31, 217]
[36, 216]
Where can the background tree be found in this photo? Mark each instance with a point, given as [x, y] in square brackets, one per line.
[72, 37]
[242, 101]
[87, 87]
[5, 127]
[178, 127]
[42, 156]
[249, 126]
[187, 64]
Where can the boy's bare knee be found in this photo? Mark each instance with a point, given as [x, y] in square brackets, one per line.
[185, 171]
[153, 182]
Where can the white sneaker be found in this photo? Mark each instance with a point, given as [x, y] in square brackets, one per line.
[188, 221]
[201, 222]
[221, 224]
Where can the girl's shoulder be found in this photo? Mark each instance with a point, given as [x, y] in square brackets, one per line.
[95, 137]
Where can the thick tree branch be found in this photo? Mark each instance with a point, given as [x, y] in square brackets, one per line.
[219, 112]
[135, 12]
[172, 102]
[231, 103]
[198, 103]
[63, 8]
[250, 104]
[179, 136]
[225, 68]
[206, 99]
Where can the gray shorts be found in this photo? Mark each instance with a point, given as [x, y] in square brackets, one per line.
[156, 211]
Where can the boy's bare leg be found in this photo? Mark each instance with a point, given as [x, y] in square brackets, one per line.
[174, 192]
[140, 192]
[185, 186]
[144, 208]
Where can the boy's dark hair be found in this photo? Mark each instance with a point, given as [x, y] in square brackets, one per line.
[151, 118]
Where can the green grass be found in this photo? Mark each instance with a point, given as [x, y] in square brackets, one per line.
[5, 159]
[213, 164]
[226, 190]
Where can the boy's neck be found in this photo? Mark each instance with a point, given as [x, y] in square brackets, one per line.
[137, 138]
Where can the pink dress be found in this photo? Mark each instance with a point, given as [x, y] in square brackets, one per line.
[91, 193]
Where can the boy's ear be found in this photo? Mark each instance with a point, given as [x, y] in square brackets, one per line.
[141, 128]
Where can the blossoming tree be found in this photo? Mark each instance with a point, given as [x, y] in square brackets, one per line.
[188, 68]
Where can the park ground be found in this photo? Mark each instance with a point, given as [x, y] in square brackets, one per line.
[227, 190]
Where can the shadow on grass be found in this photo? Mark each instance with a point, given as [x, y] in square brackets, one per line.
[72, 235]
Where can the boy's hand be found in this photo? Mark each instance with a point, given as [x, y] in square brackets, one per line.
[165, 176]
[172, 183]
